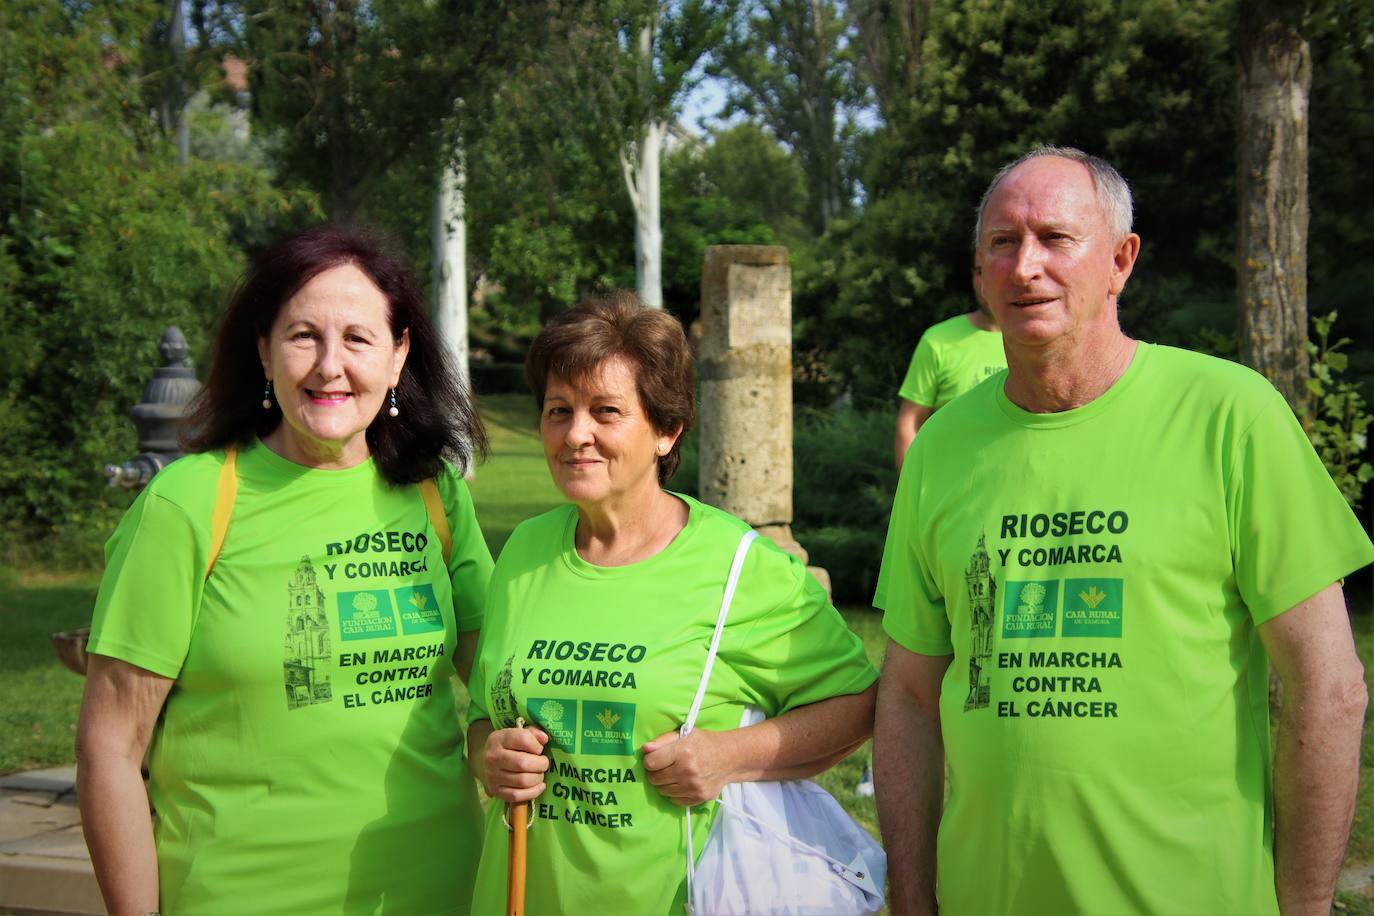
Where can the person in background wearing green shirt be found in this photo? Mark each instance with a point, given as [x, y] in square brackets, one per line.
[950, 358]
[597, 629]
[293, 669]
[1089, 562]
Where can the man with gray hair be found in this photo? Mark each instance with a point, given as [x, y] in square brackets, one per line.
[1089, 559]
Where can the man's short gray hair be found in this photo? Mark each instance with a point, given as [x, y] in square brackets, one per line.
[1113, 193]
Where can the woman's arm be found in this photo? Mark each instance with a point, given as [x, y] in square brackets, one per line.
[118, 712]
[464, 653]
[797, 744]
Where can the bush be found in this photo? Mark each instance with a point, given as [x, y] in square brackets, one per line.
[842, 494]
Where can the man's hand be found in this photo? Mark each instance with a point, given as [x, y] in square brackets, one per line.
[1317, 761]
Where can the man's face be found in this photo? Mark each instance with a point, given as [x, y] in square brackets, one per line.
[1050, 267]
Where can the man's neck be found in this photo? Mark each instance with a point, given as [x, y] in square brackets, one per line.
[982, 319]
[1063, 375]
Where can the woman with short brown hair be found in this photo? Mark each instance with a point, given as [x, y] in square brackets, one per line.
[598, 625]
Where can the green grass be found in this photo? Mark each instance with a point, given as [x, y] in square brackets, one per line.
[514, 484]
[38, 716]
[841, 780]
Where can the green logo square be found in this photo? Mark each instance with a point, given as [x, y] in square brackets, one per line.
[558, 718]
[608, 728]
[1092, 607]
[366, 615]
[1030, 608]
[419, 609]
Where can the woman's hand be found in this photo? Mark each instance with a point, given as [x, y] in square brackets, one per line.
[513, 763]
[691, 770]
[798, 744]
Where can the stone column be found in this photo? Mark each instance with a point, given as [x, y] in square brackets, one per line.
[745, 366]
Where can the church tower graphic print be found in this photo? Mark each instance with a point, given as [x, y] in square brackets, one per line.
[305, 669]
[982, 604]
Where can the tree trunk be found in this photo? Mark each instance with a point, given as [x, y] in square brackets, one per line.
[644, 184]
[450, 260]
[175, 100]
[640, 166]
[1275, 78]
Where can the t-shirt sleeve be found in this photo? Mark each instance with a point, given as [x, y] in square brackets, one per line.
[478, 685]
[154, 575]
[800, 651]
[469, 565]
[486, 668]
[913, 607]
[922, 383]
[1292, 532]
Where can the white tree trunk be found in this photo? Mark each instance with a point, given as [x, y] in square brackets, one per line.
[180, 95]
[642, 176]
[450, 262]
[642, 181]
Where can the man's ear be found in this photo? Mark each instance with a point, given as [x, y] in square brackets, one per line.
[1123, 262]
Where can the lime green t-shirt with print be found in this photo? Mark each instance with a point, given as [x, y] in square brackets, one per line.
[1098, 575]
[309, 757]
[951, 358]
[607, 658]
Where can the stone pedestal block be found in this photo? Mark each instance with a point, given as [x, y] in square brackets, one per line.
[745, 366]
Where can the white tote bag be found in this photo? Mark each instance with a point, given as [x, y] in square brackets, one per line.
[781, 847]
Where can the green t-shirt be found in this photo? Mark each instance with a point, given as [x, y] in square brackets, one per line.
[309, 757]
[608, 658]
[951, 357]
[1100, 761]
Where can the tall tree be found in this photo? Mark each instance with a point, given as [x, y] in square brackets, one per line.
[1275, 80]
[891, 42]
[1146, 83]
[626, 65]
[450, 257]
[355, 88]
[793, 68]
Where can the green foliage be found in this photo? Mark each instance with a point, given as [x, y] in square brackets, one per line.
[792, 66]
[1337, 423]
[844, 483]
[354, 90]
[514, 483]
[1146, 83]
[106, 241]
[548, 219]
[741, 188]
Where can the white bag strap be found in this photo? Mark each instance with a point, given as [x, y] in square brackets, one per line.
[736, 566]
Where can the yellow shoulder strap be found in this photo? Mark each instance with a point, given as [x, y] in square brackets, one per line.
[225, 491]
[437, 517]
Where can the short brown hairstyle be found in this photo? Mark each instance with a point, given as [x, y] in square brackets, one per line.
[575, 343]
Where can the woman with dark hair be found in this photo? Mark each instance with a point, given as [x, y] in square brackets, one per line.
[283, 610]
[598, 626]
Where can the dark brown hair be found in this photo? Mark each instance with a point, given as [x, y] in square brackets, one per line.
[437, 419]
[575, 343]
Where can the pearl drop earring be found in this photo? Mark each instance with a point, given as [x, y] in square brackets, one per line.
[394, 411]
[267, 396]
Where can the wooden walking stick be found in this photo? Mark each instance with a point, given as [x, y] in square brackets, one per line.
[518, 820]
